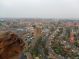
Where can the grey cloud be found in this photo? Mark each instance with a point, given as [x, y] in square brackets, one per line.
[39, 8]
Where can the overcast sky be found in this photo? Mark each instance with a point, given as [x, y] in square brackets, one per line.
[40, 8]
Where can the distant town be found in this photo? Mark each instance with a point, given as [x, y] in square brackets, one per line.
[46, 38]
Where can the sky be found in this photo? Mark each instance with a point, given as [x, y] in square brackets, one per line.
[40, 8]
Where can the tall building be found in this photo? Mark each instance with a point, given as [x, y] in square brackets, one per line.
[37, 32]
[72, 37]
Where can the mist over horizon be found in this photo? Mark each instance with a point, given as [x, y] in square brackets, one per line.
[39, 9]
